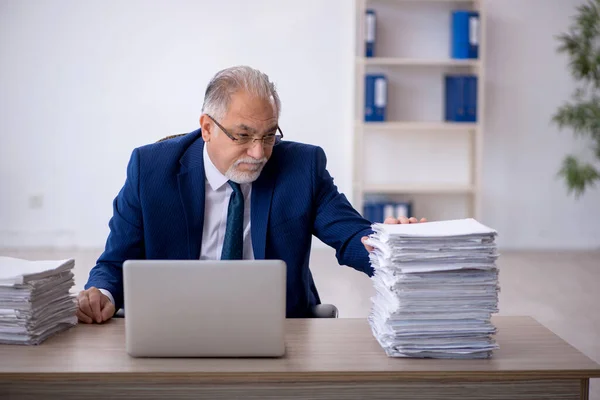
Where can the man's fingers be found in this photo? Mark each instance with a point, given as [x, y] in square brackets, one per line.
[95, 298]
[108, 310]
[83, 318]
[84, 304]
[404, 220]
[423, 220]
[364, 242]
[390, 220]
[412, 220]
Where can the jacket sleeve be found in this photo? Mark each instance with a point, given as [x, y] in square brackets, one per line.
[125, 240]
[336, 222]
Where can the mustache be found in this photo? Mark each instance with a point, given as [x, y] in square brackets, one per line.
[250, 160]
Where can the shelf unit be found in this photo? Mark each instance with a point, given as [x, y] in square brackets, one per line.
[362, 130]
[417, 62]
[418, 126]
[440, 188]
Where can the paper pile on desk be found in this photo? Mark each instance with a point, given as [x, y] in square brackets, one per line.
[35, 300]
[437, 286]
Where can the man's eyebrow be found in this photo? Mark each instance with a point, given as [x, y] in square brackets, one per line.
[247, 128]
[273, 128]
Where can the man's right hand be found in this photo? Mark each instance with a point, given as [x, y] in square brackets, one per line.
[93, 306]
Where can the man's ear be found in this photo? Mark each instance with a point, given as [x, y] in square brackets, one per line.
[206, 126]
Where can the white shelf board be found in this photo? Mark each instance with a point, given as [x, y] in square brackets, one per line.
[416, 188]
[419, 62]
[419, 126]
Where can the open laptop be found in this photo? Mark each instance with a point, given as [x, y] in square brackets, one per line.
[193, 308]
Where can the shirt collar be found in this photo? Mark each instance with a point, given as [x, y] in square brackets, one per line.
[214, 177]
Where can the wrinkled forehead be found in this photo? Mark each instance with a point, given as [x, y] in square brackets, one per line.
[252, 114]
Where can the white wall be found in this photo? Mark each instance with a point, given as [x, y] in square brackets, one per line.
[527, 82]
[83, 82]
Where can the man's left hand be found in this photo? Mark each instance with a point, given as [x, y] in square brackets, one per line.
[392, 220]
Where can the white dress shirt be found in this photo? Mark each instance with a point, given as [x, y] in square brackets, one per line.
[216, 201]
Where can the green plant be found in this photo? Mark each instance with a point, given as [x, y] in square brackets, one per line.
[582, 44]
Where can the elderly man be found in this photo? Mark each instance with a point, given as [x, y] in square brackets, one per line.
[229, 190]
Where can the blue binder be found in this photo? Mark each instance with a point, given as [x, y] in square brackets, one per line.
[471, 98]
[378, 211]
[371, 211]
[449, 98]
[460, 98]
[455, 99]
[465, 34]
[370, 32]
[375, 98]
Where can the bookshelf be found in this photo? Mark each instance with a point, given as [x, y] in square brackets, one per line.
[418, 126]
[419, 188]
[418, 62]
[411, 130]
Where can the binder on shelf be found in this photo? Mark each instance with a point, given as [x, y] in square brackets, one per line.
[460, 98]
[370, 32]
[371, 211]
[378, 211]
[375, 98]
[464, 34]
[454, 98]
[471, 98]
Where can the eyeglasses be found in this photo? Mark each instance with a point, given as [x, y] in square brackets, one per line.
[242, 139]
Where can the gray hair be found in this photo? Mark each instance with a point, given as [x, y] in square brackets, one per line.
[229, 81]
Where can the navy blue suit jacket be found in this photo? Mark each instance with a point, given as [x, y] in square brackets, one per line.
[159, 214]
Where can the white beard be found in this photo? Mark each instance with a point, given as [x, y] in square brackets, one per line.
[237, 176]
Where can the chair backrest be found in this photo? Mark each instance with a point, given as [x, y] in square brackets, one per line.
[170, 137]
[324, 311]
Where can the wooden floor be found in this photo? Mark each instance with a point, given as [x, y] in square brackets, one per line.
[559, 289]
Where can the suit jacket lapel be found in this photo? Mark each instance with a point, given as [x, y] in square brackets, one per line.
[262, 193]
[191, 192]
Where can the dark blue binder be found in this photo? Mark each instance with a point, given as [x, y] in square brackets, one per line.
[455, 99]
[373, 211]
[450, 113]
[465, 34]
[460, 93]
[471, 98]
[368, 211]
[375, 98]
[378, 211]
[370, 32]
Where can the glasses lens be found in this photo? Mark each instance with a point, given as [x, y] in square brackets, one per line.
[242, 140]
[269, 140]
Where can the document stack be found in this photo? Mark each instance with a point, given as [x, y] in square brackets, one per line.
[35, 300]
[436, 288]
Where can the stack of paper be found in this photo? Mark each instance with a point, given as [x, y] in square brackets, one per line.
[35, 299]
[437, 286]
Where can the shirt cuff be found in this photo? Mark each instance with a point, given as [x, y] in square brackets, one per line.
[107, 294]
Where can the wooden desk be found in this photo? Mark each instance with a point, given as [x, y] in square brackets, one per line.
[326, 358]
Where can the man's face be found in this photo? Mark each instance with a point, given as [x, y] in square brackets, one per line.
[246, 116]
